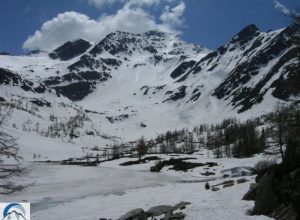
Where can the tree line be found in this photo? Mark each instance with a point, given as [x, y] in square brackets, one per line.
[230, 138]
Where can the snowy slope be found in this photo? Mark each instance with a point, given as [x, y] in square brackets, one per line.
[128, 85]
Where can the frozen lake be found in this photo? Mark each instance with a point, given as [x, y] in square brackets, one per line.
[89, 193]
[54, 185]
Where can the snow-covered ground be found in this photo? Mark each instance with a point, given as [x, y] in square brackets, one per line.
[110, 190]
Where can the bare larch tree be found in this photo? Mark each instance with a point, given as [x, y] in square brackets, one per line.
[9, 159]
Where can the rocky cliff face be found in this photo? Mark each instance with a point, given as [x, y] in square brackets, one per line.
[70, 50]
[251, 67]
[274, 58]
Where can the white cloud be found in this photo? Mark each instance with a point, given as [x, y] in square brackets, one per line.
[65, 26]
[132, 17]
[173, 16]
[282, 8]
[73, 25]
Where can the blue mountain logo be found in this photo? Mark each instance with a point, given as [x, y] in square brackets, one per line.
[14, 211]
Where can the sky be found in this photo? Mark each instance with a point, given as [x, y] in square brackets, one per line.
[44, 25]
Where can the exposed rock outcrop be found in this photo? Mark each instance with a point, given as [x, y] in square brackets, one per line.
[167, 212]
[277, 191]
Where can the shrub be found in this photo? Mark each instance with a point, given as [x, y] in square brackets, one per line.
[264, 164]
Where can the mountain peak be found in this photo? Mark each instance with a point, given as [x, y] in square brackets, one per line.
[246, 34]
[70, 49]
[155, 33]
[153, 41]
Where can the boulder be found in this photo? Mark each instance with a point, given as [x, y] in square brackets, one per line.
[295, 174]
[243, 180]
[230, 184]
[238, 171]
[285, 213]
[181, 205]
[225, 184]
[277, 194]
[174, 216]
[250, 195]
[266, 199]
[215, 188]
[135, 214]
[160, 210]
[155, 169]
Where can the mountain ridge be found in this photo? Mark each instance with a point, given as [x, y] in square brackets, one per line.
[157, 79]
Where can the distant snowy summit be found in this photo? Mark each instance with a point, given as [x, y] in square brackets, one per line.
[122, 43]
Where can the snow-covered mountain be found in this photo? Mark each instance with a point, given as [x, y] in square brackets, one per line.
[128, 85]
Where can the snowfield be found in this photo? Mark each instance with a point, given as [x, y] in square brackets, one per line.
[110, 190]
